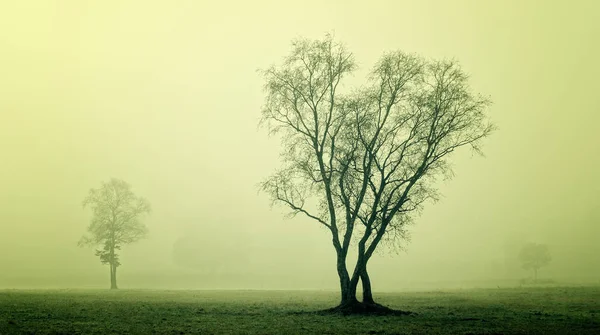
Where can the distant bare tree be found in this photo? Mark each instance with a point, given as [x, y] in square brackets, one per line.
[361, 163]
[115, 222]
[534, 256]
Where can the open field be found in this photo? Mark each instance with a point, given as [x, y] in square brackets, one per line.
[556, 310]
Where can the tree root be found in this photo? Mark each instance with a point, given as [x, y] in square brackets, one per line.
[361, 308]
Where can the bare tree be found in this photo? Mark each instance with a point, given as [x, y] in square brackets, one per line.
[362, 164]
[534, 256]
[115, 222]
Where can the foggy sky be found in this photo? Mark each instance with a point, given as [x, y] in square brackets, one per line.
[165, 95]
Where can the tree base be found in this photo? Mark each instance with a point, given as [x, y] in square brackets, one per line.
[362, 308]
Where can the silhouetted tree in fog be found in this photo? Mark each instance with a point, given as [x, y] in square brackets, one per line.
[534, 256]
[362, 164]
[115, 222]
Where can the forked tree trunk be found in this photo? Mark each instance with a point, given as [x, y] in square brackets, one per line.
[349, 304]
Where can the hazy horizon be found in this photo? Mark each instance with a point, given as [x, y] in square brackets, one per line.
[167, 98]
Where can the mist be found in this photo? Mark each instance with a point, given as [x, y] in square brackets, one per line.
[167, 97]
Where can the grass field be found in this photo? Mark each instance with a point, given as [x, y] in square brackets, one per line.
[557, 310]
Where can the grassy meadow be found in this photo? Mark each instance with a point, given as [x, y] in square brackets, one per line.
[543, 310]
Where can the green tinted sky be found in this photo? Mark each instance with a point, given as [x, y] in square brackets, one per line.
[165, 95]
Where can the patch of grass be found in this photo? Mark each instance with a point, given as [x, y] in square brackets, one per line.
[557, 310]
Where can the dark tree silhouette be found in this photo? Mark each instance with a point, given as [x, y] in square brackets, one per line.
[362, 163]
[534, 256]
[115, 222]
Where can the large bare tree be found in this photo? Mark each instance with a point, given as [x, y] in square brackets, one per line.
[362, 163]
[115, 222]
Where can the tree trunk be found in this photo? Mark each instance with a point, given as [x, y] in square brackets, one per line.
[347, 288]
[113, 277]
[113, 267]
[348, 292]
[349, 304]
[366, 284]
[110, 267]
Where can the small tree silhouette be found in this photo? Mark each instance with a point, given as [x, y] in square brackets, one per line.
[115, 222]
[534, 256]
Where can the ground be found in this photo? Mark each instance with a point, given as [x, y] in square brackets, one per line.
[556, 310]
